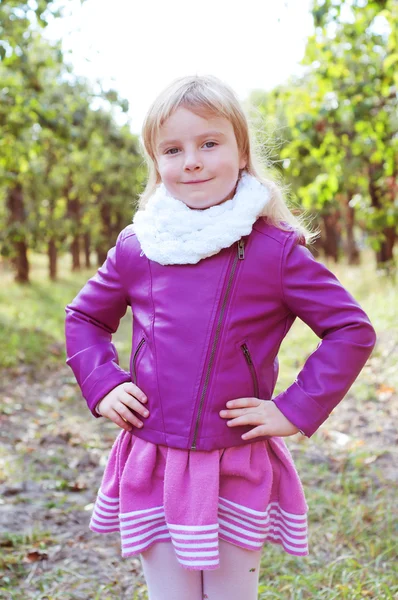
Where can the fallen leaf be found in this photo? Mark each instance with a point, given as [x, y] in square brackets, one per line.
[384, 392]
[77, 486]
[35, 556]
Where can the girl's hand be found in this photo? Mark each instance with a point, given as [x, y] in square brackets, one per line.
[119, 404]
[263, 413]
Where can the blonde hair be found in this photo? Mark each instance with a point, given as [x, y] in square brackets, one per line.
[208, 94]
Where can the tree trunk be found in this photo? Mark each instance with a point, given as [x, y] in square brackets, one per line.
[101, 255]
[331, 236]
[351, 248]
[52, 258]
[87, 244]
[52, 242]
[106, 233]
[380, 198]
[386, 251]
[74, 215]
[16, 220]
[75, 251]
[106, 221]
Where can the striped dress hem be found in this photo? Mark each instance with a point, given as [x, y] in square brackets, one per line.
[196, 546]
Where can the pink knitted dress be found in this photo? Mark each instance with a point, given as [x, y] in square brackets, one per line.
[246, 495]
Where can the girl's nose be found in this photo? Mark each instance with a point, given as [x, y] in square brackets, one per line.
[192, 162]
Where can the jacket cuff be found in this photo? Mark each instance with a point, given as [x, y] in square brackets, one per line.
[101, 381]
[300, 409]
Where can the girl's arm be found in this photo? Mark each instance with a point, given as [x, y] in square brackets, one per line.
[315, 295]
[91, 319]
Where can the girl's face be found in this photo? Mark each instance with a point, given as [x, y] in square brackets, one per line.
[198, 158]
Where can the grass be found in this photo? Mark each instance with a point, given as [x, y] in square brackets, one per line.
[346, 467]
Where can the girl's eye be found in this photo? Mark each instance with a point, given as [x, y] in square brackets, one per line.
[170, 151]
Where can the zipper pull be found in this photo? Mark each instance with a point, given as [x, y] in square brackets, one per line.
[241, 249]
[247, 354]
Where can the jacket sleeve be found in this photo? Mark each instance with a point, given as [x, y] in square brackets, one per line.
[312, 293]
[91, 319]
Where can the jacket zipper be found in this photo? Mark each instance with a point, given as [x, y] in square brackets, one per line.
[240, 255]
[249, 361]
[142, 342]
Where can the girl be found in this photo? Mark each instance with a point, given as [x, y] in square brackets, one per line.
[215, 269]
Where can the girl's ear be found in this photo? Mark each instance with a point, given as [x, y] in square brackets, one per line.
[242, 163]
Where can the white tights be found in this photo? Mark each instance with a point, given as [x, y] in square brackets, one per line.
[235, 579]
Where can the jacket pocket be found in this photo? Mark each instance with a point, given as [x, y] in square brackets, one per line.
[135, 357]
[252, 369]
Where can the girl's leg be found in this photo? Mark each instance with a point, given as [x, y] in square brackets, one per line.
[237, 577]
[166, 578]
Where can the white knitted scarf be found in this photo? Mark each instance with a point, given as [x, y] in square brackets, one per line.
[170, 232]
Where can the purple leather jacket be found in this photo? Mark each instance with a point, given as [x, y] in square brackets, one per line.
[207, 333]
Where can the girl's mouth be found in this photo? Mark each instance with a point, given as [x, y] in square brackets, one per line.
[196, 182]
